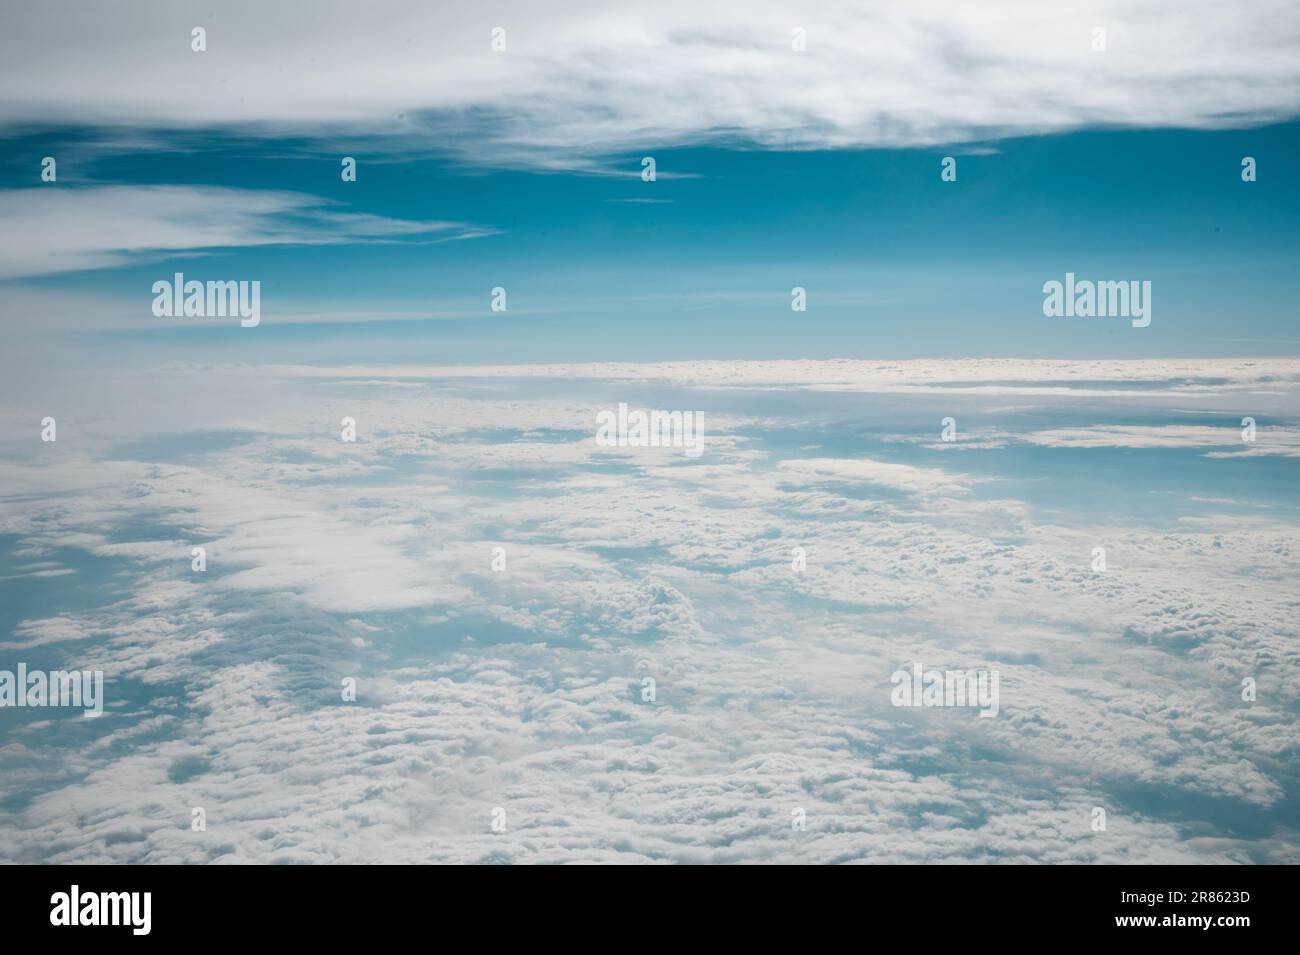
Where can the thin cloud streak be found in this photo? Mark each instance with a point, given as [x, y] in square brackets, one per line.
[70, 229]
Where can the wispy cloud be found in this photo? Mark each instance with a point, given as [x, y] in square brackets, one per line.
[1275, 440]
[52, 230]
[1031, 376]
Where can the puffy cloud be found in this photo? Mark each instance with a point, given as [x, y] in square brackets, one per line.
[902, 477]
[522, 689]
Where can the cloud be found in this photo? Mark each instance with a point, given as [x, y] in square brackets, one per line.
[943, 376]
[70, 229]
[577, 82]
[901, 477]
[522, 689]
[1283, 441]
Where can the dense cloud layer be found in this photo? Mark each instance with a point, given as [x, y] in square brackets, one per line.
[522, 689]
[578, 80]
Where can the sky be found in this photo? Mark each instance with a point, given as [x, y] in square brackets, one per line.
[818, 168]
[499, 583]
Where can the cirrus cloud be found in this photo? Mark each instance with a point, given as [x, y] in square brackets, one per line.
[73, 229]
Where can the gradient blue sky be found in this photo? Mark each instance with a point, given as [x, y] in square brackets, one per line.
[897, 263]
[776, 168]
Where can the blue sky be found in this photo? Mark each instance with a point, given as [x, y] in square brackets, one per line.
[897, 263]
[776, 167]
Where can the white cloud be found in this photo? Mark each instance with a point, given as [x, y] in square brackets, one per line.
[955, 376]
[69, 229]
[1269, 440]
[901, 477]
[577, 81]
[522, 689]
